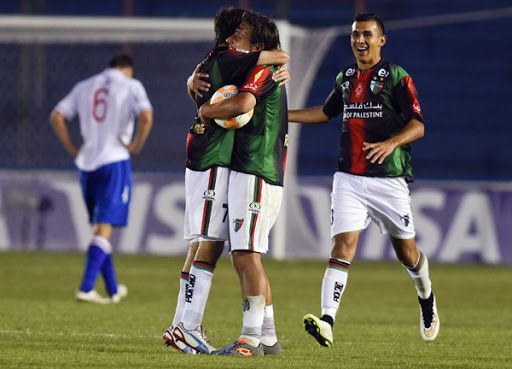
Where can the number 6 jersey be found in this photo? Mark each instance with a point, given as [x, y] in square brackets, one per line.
[107, 105]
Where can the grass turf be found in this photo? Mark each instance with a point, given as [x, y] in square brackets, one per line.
[42, 326]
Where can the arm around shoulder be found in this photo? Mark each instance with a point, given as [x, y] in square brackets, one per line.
[274, 57]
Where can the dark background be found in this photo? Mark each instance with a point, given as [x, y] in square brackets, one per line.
[462, 71]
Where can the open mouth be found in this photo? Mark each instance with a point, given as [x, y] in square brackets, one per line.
[361, 48]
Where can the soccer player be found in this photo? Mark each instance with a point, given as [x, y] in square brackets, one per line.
[381, 117]
[255, 181]
[209, 149]
[106, 105]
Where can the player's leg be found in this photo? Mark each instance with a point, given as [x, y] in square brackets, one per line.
[253, 209]
[416, 264]
[189, 331]
[393, 214]
[206, 212]
[349, 216]
[180, 303]
[99, 246]
[269, 340]
[113, 202]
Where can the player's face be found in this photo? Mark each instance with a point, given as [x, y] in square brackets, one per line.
[367, 41]
[241, 39]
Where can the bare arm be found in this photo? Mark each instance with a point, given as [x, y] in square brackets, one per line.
[238, 104]
[144, 125]
[61, 131]
[379, 151]
[314, 115]
[196, 85]
[274, 57]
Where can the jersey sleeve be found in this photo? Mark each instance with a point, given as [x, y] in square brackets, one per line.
[259, 82]
[141, 100]
[68, 106]
[244, 62]
[406, 96]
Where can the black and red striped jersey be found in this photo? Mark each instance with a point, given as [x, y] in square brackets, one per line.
[209, 144]
[376, 105]
[260, 146]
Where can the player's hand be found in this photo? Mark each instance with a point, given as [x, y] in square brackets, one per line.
[378, 151]
[196, 84]
[282, 75]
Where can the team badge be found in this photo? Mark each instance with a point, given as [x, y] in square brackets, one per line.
[376, 86]
[238, 224]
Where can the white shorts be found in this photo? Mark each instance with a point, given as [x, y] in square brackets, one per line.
[206, 204]
[356, 200]
[253, 208]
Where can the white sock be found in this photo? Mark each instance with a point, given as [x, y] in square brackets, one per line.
[198, 289]
[268, 330]
[254, 311]
[420, 277]
[180, 303]
[333, 286]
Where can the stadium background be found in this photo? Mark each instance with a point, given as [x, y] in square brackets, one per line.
[457, 53]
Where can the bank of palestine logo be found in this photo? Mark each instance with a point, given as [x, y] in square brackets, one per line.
[238, 224]
[406, 219]
[376, 85]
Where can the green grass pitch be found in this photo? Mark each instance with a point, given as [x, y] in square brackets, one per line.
[42, 326]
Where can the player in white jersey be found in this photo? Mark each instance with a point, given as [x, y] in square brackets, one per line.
[106, 105]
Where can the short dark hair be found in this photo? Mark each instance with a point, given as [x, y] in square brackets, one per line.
[264, 30]
[366, 17]
[226, 22]
[121, 60]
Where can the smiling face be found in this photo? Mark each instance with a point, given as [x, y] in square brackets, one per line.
[367, 41]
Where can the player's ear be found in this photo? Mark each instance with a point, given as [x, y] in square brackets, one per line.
[383, 40]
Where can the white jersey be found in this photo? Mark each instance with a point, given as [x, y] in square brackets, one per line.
[107, 105]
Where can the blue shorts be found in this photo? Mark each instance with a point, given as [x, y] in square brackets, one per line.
[107, 193]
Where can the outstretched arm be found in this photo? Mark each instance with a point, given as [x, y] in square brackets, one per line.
[314, 115]
[61, 131]
[378, 151]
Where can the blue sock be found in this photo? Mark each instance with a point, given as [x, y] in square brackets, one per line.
[95, 258]
[109, 275]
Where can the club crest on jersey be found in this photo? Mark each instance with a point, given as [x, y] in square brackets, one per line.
[376, 85]
[255, 207]
[198, 128]
[237, 223]
[406, 219]
[209, 195]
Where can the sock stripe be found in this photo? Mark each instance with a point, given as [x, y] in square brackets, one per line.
[204, 266]
[184, 276]
[339, 264]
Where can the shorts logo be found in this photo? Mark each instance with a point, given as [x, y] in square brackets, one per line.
[406, 219]
[209, 195]
[238, 224]
[255, 207]
[126, 194]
